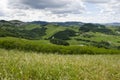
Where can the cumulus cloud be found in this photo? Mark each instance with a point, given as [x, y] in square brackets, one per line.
[112, 6]
[61, 10]
[54, 6]
[97, 1]
[1, 14]
[43, 4]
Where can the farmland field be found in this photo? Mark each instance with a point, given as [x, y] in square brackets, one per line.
[19, 65]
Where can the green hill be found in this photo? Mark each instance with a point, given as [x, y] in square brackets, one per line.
[52, 51]
[85, 34]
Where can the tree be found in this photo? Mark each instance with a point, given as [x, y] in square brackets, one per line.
[59, 42]
[103, 44]
[95, 28]
[64, 35]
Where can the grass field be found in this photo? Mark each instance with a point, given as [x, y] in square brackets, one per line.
[19, 65]
[51, 30]
[112, 39]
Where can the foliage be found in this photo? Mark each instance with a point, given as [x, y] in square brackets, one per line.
[87, 35]
[59, 42]
[103, 44]
[42, 31]
[27, 34]
[118, 47]
[118, 28]
[29, 45]
[64, 35]
[95, 28]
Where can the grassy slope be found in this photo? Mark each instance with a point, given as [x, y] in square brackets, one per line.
[29, 26]
[98, 37]
[46, 47]
[51, 30]
[25, 40]
[16, 65]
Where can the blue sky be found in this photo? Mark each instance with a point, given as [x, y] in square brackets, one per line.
[96, 11]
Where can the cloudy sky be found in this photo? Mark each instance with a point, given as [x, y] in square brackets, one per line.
[97, 11]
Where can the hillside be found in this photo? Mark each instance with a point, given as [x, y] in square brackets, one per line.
[73, 33]
[45, 46]
[50, 51]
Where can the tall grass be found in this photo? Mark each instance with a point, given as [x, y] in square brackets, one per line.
[29, 45]
[19, 65]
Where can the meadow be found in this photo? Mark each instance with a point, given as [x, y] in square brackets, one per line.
[20, 65]
[38, 51]
[45, 46]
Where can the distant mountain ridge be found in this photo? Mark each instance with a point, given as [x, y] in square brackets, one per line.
[113, 24]
[58, 23]
[69, 23]
[39, 22]
[73, 23]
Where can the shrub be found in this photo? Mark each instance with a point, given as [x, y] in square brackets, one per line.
[30, 45]
[64, 35]
[118, 47]
[88, 35]
[95, 28]
[103, 44]
[59, 42]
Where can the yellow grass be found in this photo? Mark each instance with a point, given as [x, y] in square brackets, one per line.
[18, 65]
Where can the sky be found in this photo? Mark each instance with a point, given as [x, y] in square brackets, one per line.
[95, 11]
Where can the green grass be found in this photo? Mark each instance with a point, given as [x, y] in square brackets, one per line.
[113, 39]
[19, 65]
[46, 47]
[51, 30]
[29, 27]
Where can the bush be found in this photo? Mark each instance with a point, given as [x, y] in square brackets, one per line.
[118, 47]
[88, 35]
[95, 28]
[35, 33]
[103, 44]
[64, 35]
[30, 45]
[59, 42]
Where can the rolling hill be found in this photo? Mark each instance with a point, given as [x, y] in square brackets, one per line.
[75, 33]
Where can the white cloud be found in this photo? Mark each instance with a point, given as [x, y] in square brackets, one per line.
[112, 7]
[60, 10]
[54, 6]
[97, 1]
[2, 7]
